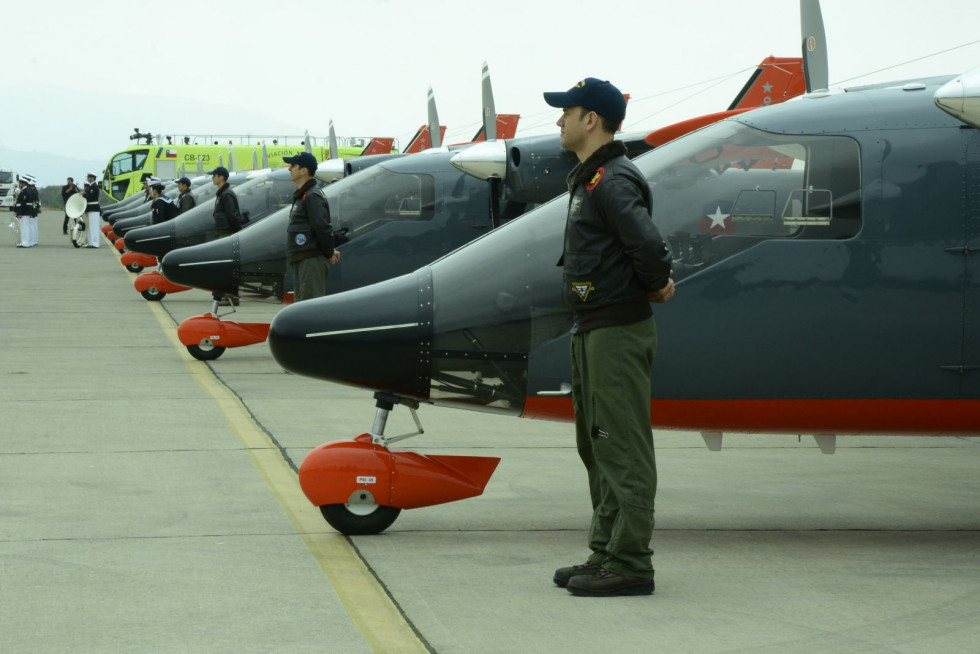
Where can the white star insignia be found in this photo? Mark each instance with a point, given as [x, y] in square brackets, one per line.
[767, 87]
[718, 218]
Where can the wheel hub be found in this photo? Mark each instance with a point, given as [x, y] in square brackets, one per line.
[361, 502]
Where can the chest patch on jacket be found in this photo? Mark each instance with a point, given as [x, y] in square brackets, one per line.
[582, 289]
[599, 172]
[301, 239]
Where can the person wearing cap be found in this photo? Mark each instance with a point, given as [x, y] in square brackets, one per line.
[309, 235]
[146, 188]
[227, 216]
[93, 210]
[614, 264]
[185, 201]
[67, 191]
[25, 209]
[163, 208]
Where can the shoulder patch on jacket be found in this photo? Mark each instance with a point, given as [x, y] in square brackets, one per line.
[599, 172]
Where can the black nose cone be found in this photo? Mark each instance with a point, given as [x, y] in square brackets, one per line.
[153, 239]
[210, 266]
[123, 226]
[377, 337]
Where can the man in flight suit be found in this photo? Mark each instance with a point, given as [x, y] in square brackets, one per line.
[227, 215]
[185, 201]
[615, 263]
[310, 241]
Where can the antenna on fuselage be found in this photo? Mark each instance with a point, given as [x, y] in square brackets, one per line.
[814, 46]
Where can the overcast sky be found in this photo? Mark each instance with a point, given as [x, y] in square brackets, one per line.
[85, 75]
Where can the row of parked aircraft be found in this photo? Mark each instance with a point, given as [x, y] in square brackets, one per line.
[826, 255]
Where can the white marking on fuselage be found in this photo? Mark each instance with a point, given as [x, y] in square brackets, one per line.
[362, 329]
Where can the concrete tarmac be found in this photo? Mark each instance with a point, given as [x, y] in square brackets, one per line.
[148, 503]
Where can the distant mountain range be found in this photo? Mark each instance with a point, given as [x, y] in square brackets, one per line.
[48, 168]
[53, 133]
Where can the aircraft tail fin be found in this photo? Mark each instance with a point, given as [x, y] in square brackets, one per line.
[421, 140]
[776, 80]
[815, 69]
[378, 145]
[506, 128]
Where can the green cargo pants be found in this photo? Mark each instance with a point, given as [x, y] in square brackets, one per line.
[310, 278]
[611, 395]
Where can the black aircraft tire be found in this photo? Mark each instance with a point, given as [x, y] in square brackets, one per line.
[134, 268]
[208, 353]
[351, 524]
[152, 294]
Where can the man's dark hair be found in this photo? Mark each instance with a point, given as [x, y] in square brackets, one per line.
[606, 124]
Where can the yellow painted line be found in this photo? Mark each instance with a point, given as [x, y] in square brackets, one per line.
[370, 609]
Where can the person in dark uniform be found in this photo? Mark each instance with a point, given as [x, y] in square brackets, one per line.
[227, 216]
[93, 211]
[25, 211]
[309, 241]
[67, 191]
[614, 264]
[163, 208]
[185, 201]
[35, 200]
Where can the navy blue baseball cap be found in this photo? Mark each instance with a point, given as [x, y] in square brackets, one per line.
[303, 160]
[220, 170]
[184, 180]
[594, 95]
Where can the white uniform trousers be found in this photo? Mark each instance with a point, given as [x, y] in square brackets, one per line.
[94, 228]
[32, 231]
[25, 237]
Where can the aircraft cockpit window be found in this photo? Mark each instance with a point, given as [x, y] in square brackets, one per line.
[377, 196]
[728, 187]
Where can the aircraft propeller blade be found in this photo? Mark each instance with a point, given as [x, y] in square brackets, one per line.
[231, 159]
[334, 150]
[200, 166]
[265, 157]
[306, 140]
[435, 133]
[489, 111]
[815, 70]
[255, 158]
[220, 163]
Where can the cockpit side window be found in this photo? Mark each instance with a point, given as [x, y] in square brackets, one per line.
[728, 187]
[378, 196]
